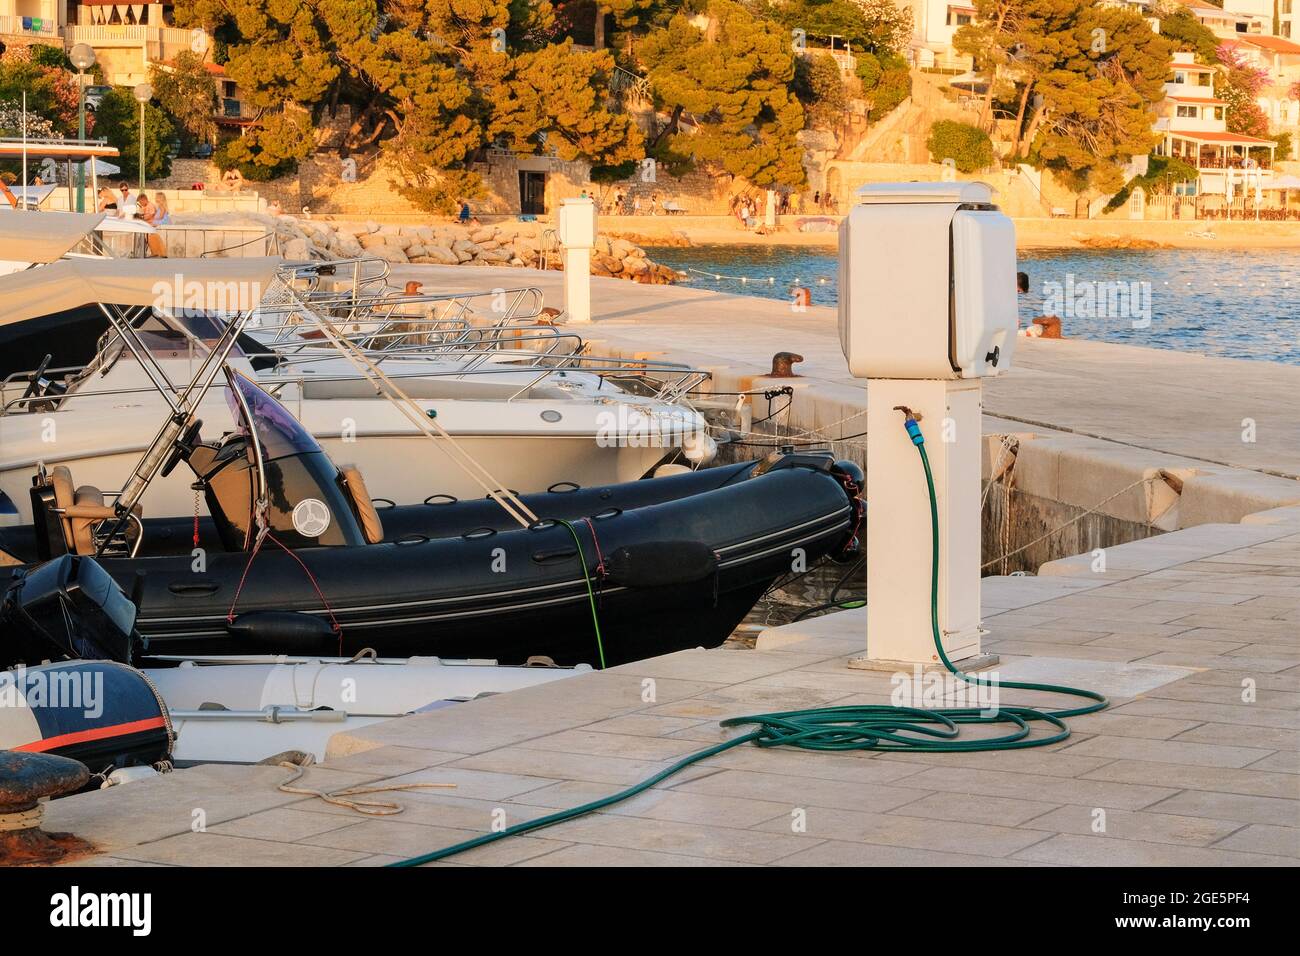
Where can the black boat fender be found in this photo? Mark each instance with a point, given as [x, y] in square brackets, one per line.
[660, 564]
[285, 632]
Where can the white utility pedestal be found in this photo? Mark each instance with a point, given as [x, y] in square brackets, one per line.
[898, 520]
[577, 234]
[927, 308]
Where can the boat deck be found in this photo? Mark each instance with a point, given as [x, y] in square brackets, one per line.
[1195, 636]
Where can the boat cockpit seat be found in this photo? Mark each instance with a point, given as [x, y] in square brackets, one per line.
[80, 510]
[371, 527]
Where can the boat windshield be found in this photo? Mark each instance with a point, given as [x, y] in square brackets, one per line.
[278, 433]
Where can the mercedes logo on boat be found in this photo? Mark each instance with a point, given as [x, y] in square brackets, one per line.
[311, 517]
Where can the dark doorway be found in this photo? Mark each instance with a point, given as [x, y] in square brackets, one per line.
[532, 193]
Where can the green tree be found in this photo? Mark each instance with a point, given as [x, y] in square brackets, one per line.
[819, 87]
[969, 147]
[43, 54]
[1098, 101]
[1162, 175]
[1185, 32]
[733, 79]
[992, 40]
[272, 148]
[51, 91]
[869, 26]
[118, 120]
[886, 82]
[430, 83]
[187, 93]
[553, 97]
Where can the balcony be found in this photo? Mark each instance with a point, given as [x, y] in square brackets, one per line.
[1209, 161]
[33, 28]
[160, 44]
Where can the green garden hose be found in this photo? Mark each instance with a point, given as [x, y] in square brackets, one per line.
[591, 595]
[882, 727]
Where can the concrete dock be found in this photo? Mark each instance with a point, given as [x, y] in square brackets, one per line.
[1192, 633]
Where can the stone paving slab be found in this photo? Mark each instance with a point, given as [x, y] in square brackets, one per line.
[1197, 762]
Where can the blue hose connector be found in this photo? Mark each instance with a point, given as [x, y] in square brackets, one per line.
[914, 430]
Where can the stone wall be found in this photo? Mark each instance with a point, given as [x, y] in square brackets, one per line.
[520, 244]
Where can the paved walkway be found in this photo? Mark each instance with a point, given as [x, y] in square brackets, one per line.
[1194, 635]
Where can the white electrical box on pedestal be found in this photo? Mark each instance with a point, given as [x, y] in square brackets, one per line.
[927, 280]
[577, 235]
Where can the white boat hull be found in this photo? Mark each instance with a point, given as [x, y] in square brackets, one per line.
[246, 712]
[589, 444]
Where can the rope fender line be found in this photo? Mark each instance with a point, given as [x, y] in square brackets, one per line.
[257, 548]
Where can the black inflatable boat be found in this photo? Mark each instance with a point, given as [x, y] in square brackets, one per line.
[610, 574]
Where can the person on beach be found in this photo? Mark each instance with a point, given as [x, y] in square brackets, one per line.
[465, 214]
[636, 205]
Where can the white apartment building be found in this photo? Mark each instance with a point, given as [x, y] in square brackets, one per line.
[1193, 121]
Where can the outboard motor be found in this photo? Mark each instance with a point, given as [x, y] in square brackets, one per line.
[66, 608]
[97, 709]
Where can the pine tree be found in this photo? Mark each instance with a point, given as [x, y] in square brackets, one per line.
[734, 82]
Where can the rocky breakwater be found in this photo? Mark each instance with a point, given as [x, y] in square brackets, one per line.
[502, 244]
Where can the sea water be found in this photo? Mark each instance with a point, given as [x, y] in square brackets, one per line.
[1241, 304]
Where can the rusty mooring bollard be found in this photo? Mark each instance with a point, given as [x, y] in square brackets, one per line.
[783, 365]
[24, 779]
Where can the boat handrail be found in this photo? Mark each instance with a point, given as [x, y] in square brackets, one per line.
[525, 302]
[611, 371]
[313, 352]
